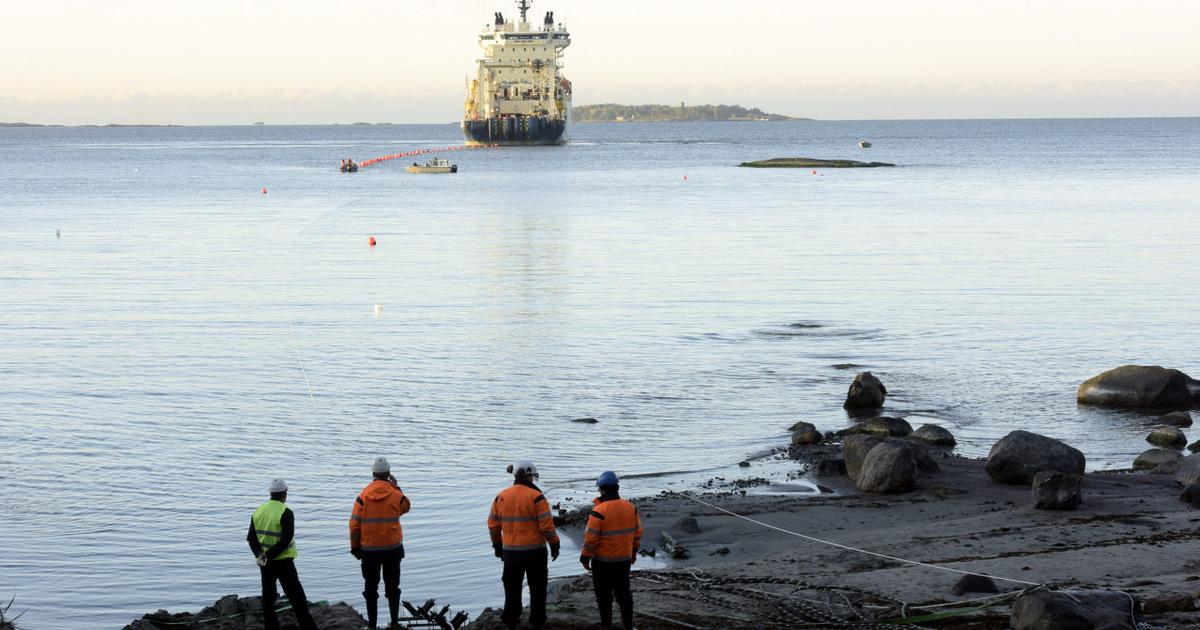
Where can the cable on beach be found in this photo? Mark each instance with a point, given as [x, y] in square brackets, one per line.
[856, 549]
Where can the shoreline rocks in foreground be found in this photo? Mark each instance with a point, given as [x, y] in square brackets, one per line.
[245, 613]
[804, 162]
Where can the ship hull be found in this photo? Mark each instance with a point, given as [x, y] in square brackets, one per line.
[515, 131]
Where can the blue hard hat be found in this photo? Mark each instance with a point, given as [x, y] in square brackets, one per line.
[607, 478]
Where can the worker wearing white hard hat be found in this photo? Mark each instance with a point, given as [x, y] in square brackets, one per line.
[272, 539]
[521, 528]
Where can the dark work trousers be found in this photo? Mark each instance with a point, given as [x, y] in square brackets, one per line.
[518, 567]
[285, 572]
[388, 563]
[611, 580]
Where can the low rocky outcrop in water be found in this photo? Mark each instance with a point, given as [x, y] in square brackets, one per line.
[1140, 387]
[866, 392]
[235, 613]
[1167, 437]
[1020, 455]
[934, 435]
[1053, 490]
[885, 426]
[1176, 419]
[1073, 610]
[805, 433]
[803, 162]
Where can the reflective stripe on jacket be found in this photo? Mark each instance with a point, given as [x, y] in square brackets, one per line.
[520, 519]
[267, 526]
[614, 531]
[375, 520]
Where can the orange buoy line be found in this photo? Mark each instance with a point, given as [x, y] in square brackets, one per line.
[423, 152]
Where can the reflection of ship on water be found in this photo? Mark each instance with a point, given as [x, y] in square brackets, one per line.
[518, 95]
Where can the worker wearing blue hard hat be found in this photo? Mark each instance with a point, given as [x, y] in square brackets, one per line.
[610, 546]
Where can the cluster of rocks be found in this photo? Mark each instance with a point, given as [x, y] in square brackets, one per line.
[245, 613]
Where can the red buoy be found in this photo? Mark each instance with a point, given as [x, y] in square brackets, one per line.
[264, 190]
[371, 241]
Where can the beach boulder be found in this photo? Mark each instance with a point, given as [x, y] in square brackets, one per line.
[804, 433]
[1020, 455]
[1156, 459]
[1194, 447]
[921, 454]
[854, 451]
[831, 467]
[1167, 437]
[889, 468]
[866, 392]
[1188, 472]
[934, 435]
[1053, 490]
[1191, 495]
[885, 426]
[1074, 610]
[1139, 387]
[1176, 419]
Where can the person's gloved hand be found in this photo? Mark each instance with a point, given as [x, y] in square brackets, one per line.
[499, 551]
[586, 561]
[554, 551]
[261, 560]
[356, 552]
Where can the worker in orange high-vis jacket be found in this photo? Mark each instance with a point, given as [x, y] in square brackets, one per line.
[610, 546]
[521, 527]
[377, 540]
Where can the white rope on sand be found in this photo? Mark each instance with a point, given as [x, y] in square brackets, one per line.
[857, 550]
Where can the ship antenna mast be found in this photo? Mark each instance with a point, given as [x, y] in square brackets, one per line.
[524, 5]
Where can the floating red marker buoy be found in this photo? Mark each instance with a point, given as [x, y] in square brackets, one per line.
[814, 172]
[371, 241]
[264, 190]
[685, 178]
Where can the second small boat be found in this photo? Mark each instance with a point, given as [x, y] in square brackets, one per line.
[436, 165]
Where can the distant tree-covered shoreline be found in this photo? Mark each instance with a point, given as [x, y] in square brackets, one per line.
[612, 112]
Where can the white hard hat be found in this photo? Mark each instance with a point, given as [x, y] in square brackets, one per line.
[526, 466]
[381, 465]
[278, 485]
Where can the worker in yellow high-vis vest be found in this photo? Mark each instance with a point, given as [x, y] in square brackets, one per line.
[272, 538]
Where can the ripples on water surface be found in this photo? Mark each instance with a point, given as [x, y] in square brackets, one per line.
[150, 387]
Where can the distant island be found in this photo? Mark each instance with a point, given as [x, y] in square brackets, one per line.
[612, 112]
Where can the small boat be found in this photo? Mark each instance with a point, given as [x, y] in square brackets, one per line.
[436, 165]
[864, 144]
[348, 166]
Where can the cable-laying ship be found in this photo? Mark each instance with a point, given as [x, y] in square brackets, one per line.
[518, 95]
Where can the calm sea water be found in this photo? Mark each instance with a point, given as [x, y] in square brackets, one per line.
[153, 360]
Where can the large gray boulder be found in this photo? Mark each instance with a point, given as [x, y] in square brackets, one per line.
[1155, 458]
[866, 392]
[1139, 387]
[1053, 490]
[1176, 419]
[886, 426]
[854, 451]
[1073, 610]
[889, 468]
[1167, 437]
[1020, 455]
[933, 434]
[1188, 471]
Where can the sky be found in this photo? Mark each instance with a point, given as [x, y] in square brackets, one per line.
[406, 61]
